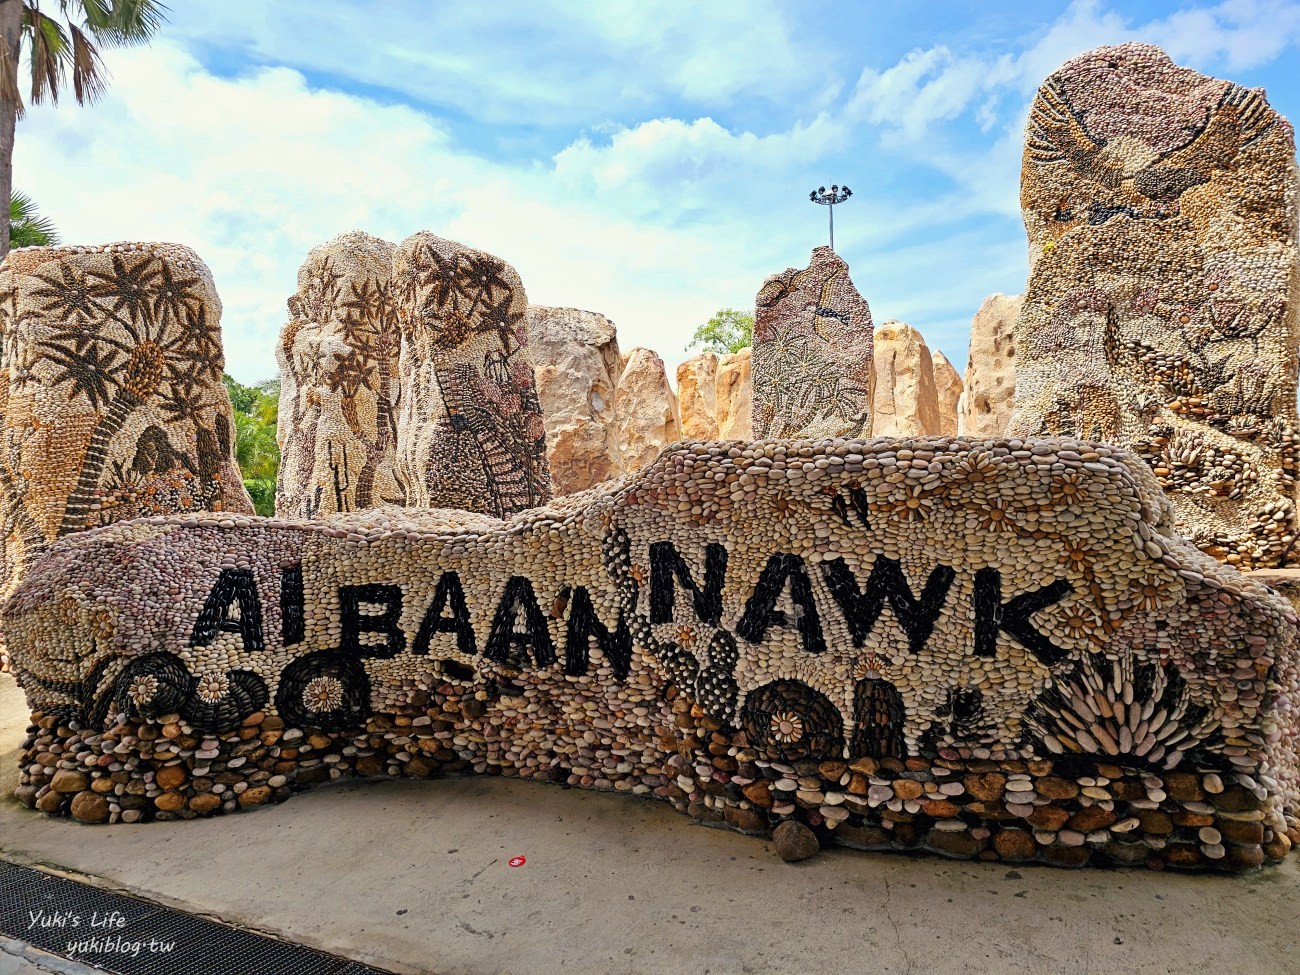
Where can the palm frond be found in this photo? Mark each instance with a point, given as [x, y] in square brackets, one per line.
[9, 91]
[51, 54]
[27, 228]
[89, 76]
[122, 23]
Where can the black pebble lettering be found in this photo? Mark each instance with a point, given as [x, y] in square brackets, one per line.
[450, 594]
[861, 608]
[761, 612]
[292, 623]
[666, 562]
[233, 585]
[585, 624]
[1013, 616]
[355, 623]
[505, 645]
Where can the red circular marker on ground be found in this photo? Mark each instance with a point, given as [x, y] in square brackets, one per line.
[518, 861]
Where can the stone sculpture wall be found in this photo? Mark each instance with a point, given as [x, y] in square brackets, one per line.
[577, 364]
[1162, 310]
[990, 392]
[338, 358]
[111, 401]
[812, 353]
[994, 649]
[470, 432]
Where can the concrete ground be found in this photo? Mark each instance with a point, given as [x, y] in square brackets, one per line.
[414, 877]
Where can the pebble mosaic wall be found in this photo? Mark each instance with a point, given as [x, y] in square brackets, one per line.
[812, 353]
[339, 382]
[1161, 312]
[994, 649]
[111, 402]
[470, 432]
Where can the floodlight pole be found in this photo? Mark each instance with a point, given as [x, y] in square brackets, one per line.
[836, 195]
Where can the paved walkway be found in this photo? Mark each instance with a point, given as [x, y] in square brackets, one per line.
[414, 877]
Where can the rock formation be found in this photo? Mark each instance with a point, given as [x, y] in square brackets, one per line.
[339, 382]
[111, 399]
[697, 396]
[645, 410]
[577, 365]
[734, 397]
[948, 385]
[1162, 311]
[949, 615]
[470, 432]
[906, 402]
[812, 353]
[990, 392]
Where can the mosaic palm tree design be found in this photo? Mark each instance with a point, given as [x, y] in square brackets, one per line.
[462, 311]
[132, 335]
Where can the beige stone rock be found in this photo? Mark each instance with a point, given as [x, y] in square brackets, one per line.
[645, 410]
[812, 353]
[734, 397]
[697, 396]
[576, 362]
[339, 382]
[470, 432]
[906, 402]
[948, 385]
[1162, 311]
[991, 367]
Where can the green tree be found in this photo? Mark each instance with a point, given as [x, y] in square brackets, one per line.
[256, 451]
[727, 331]
[27, 228]
[60, 52]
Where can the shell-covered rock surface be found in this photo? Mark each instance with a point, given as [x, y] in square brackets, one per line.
[111, 402]
[470, 432]
[338, 363]
[1162, 311]
[812, 353]
[995, 649]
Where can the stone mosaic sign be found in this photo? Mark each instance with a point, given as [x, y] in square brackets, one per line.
[1160, 312]
[339, 382]
[470, 432]
[111, 402]
[995, 649]
[812, 353]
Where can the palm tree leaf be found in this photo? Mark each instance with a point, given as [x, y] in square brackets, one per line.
[122, 23]
[89, 79]
[51, 53]
[27, 228]
[9, 91]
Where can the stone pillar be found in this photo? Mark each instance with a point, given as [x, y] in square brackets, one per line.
[645, 411]
[577, 364]
[990, 393]
[339, 382]
[812, 353]
[734, 395]
[906, 402]
[1162, 308]
[697, 396]
[470, 432]
[948, 384]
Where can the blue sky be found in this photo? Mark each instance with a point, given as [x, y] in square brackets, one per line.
[647, 160]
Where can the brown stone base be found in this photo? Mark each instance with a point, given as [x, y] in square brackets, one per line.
[1066, 813]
